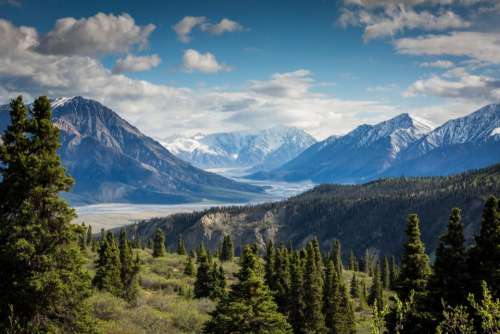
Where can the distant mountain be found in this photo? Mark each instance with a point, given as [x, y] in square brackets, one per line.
[368, 216]
[358, 156]
[460, 144]
[112, 161]
[259, 150]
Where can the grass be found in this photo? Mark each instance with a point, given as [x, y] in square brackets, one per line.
[165, 303]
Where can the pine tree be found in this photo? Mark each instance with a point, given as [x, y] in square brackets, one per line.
[355, 289]
[269, 264]
[108, 267]
[485, 255]
[129, 269]
[386, 274]
[415, 268]
[227, 250]
[313, 296]
[376, 290]
[189, 266]
[204, 279]
[159, 243]
[448, 281]
[331, 297]
[89, 236]
[297, 306]
[42, 283]
[249, 307]
[181, 248]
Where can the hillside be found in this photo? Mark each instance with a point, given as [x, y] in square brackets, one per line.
[112, 161]
[372, 215]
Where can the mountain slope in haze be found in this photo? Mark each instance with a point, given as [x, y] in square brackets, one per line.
[259, 150]
[460, 144]
[112, 161]
[369, 216]
[358, 156]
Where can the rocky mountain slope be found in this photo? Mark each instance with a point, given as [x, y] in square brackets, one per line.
[112, 161]
[369, 216]
[259, 150]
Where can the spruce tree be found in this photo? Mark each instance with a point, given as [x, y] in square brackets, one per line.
[448, 281]
[189, 266]
[376, 290]
[129, 269]
[313, 296]
[344, 319]
[269, 264]
[355, 288]
[181, 248]
[89, 236]
[297, 306]
[485, 254]
[227, 250]
[249, 307]
[281, 288]
[42, 283]
[386, 274]
[159, 243]
[331, 296]
[108, 267]
[415, 268]
[353, 262]
[204, 278]
[393, 273]
[337, 256]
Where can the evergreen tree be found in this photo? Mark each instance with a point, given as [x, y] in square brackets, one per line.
[353, 262]
[189, 266]
[82, 237]
[393, 273]
[281, 288]
[218, 282]
[249, 307]
[297, 306]
[448, 281]
[337, 256]
[129, 269]
[89, 236]
[42, 283]
[269, 264]
[331, 297]
[204, 279]
[376, 290]
[415, 268]
[313, 296]
[181, 248]
[344, 319]
[355, 289]
[108, 267]
[386, 274]
[227, 250]
[159, 243]
[485, 255]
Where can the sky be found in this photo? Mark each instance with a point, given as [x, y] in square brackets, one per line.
[187, 67]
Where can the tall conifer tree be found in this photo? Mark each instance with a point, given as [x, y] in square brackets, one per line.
[42, 283]
[159, 243]
[108, 267]
[313, 296]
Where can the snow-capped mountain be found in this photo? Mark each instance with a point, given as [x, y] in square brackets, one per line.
[357, 156]
[460, 144]
[259, 150]
[112, 161]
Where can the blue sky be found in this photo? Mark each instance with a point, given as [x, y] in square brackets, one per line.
[208, 66]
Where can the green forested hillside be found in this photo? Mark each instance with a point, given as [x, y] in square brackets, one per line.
[364, 216]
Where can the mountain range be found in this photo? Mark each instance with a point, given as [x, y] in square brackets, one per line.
[256, 150]
[401, 146]
[368, 216]
[112, 161]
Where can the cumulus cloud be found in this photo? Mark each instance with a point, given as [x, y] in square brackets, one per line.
[97, 35]
[202, 62]
[184, 27]
[133, 63]
[293, 84]
[225, 25]
[481, 46]
[457, 86]
[438, 64]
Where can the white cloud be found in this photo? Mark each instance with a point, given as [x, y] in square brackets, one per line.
[481, 46]
[16, 39]
[225, 25]
[184, 27]
[438, 64]
[96, 35]
[133, 63]
[383, 88]
[465, 86]
[202, 62]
